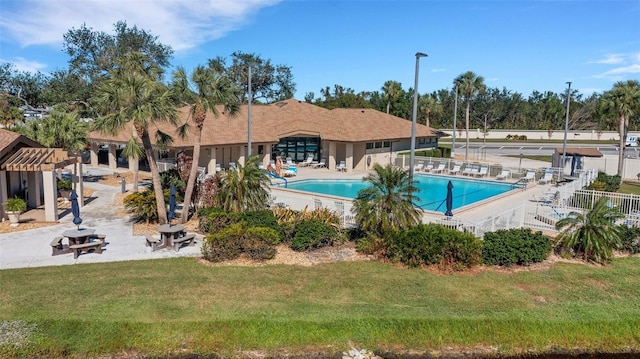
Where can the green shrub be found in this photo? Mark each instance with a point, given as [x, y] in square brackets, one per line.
[213, 220]
[64, 185]
[371, 244]
[428, 244]
[630, 237]
[605, 182]
[439, 152]
[264, 218]
[314, 233]
[237, 239]
[519, 246]
[142, 205]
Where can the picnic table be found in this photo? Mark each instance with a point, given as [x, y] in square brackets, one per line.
[78, 236]
[168, 232]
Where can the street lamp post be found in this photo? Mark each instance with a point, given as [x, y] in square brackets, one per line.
[249, 116]
[455, 116]
[566, 128]
[414, 115]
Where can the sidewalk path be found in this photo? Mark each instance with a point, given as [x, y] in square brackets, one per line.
[31, 248]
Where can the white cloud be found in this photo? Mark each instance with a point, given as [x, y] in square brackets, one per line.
[24, 65]
[610, 59]
[628, 66]
[178, 23]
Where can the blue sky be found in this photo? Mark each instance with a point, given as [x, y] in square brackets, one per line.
[520, 45]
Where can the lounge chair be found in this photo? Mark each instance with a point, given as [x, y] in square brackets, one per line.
[342, 166]
[317, 204]
[504, 174]
[470, 170]
[456, 169]
[482, 172]
[419, 166]
[307, 162]
[429, 167]
[530, 176]
[218, 167]
[291, 171]
[322, 163]
[548, 198]
[440, 168]
[547, 178]
[290, 162]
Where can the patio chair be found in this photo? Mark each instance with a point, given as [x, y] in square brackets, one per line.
[342, 166]
[440, 168]
[419, 166]
[317, 203]
[470, 170]
[504, 174]
[291, 171]
[344, 218]
[290, 162]
[456, 169]
[547, 178]
[232, 166]
[429, 167]
[322, 163]
[218, 167]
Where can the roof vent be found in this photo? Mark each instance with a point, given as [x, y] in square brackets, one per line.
[281, 103]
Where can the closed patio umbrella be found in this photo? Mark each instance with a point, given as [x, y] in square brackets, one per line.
[449, 200]
[172, 203]
[75, 208]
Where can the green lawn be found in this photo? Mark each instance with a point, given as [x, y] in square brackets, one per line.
[632, 187]
[165, 306]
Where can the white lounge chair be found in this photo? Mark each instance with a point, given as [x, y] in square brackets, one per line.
[291, 171]
[547, 178]
[530, 176]
[429, 167]
[456, 169]
[322, 163]
[290, 162]
[419, 166]
[342, 166]
[482, 172]
[504, 174]
[470, 170]
[440, 168]
[317, 203]
[307, 162]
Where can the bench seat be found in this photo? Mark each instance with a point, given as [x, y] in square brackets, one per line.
[189, 239]
[56, 246]
[153, 242]
[85, 247]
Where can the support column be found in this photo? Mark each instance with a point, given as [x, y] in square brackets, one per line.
[243, 152]
[332, 156]
[31, 190]
[94, 153]
[349, 159]
[113, 161]
[79, 183]
[4, 192]
[37, 189]
[211, 165]
[50, 200]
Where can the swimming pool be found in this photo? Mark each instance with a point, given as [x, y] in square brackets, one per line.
[433, 189]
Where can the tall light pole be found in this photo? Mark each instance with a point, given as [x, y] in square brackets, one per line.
[455, 116]
[249, 117]
[566, 128]
[414, 115]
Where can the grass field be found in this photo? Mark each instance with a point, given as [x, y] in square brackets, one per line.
[180, 305]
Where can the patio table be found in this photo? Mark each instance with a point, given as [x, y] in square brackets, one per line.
[168, 231]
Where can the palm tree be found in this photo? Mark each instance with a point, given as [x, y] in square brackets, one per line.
[469, 84]
[134, 94]
[429, 105]
[388, 203]
[621, 100]
[211, 90]
[594, 234]
[391, 92]
[245, 188]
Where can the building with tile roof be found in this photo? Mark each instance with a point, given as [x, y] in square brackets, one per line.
[290, 128]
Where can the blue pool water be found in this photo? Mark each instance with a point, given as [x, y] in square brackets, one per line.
[433, 189]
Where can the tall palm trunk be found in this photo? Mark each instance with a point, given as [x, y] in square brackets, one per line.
[155, 177]
[466, 120]
[193, 174]
[622, 139]
[388, 106]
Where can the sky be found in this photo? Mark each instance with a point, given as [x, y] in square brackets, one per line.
[359, 44]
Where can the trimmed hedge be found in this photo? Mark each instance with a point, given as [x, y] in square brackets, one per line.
[519, 246]
[429, 244]
[257, 243]
[630, 237]
[314, 233]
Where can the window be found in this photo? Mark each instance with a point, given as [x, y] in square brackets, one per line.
[369, 145]
[378, 145]
[386, 144]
